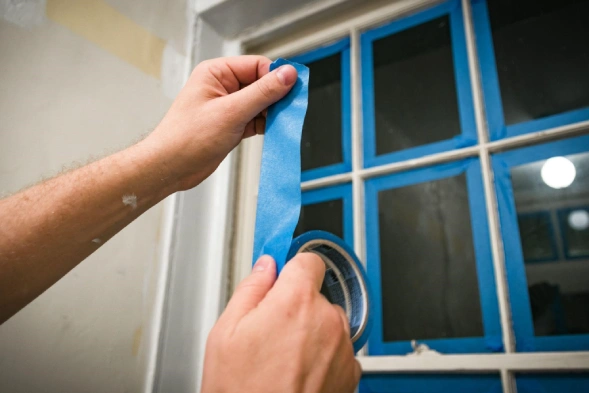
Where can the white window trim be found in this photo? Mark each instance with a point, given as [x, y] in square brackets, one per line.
[505, 363]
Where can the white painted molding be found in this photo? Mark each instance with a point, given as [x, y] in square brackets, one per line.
[528, 362]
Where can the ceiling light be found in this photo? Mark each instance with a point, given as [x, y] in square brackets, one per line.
[558, 172]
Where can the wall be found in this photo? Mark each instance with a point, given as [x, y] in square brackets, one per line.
[63, 99]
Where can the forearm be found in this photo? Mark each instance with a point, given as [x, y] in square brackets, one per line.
[48, 229]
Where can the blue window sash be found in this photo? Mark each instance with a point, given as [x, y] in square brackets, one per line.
[342, 46]
[492, 340]
[546, 215]
[467, 133]
[342, 191]
[491, 89]
[523, 325]
[552, 383]
[430, 383]
[562, 222]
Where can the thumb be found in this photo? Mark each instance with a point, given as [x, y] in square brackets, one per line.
[252, 290]
[259, 95]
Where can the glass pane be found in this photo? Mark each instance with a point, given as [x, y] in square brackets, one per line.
[542, 54]
[574, 224]
[536, 236]
[321, 143]
[428, 272]
[414, 88]
[326, 216]
[559, 291]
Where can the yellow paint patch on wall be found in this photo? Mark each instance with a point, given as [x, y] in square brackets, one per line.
[137, 340]
[104, 26]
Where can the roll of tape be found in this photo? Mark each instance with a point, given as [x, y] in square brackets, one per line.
[279, 204]
[345, 282]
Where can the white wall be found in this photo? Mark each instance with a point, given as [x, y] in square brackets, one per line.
[63, 100]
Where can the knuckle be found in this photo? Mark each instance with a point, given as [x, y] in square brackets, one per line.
[265, 88]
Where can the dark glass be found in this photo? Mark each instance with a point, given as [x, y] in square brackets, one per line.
[326, 216]
[558, 290]
[321, 143]
[574, 223]
[428, 271]
[536, 236]
[414, 87]
[542, 55]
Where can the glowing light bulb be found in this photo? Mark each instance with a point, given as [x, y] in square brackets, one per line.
[558, 172]
[579, 220]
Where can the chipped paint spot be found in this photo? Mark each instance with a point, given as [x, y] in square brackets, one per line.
[97, 241]
[130, 200]
[137, 340]
[23, 13]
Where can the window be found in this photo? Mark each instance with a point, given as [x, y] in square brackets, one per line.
[439, 143]
[533, 56]
[550, 300]
[325, 143]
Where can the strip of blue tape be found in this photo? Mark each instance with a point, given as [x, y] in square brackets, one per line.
[279, 195]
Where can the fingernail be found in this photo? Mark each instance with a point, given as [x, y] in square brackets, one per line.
[262, 263]
[286, 74]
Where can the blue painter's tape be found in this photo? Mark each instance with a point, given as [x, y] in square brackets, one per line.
[279, 197]
[466, 134]
[279, 203]
[492, 340]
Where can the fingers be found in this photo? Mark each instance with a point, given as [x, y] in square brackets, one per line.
[304, 267]
[256, 126]
[344, 318]
[252, 290]
[254, 98]
[247, 69]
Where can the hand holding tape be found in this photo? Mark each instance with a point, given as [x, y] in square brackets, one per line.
[279, 203]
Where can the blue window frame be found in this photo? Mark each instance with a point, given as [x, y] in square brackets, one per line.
[492, 340]
[342, 47]
[552, 383]
[343, 192]
[467, 133]
[526, 340]
[430, 383]
[491, 89]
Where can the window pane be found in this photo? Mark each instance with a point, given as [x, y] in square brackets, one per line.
[326, 216]
[559, 291]
[428, 272]
[321, 143]
[574, 224]
[537, 236]
[414, 88]
[542, 54]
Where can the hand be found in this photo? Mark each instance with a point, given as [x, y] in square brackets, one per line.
[281, 336]
[223, 102]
